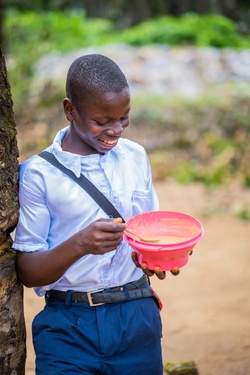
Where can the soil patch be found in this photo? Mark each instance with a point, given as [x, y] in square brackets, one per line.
[206, 307]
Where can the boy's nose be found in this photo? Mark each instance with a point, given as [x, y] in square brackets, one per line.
[116, 128]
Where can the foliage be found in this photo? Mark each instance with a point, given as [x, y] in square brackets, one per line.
[126, 12]
[202, 31]
[244, 214]
[53, 30]
[30, 35]
[180, 368]
[64, 31]
[204, 140]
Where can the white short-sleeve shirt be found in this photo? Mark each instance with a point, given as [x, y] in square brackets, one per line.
[53, 207]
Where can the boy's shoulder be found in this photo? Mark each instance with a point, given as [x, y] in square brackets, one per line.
[34, 163]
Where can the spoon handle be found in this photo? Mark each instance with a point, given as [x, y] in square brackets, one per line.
[140, 238]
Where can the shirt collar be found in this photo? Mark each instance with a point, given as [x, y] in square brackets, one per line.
[69, 160]
[74, 161]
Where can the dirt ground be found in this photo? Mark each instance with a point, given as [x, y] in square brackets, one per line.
[207, 306]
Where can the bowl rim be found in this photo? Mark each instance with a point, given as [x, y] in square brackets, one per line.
[158, 247]
[168, 247]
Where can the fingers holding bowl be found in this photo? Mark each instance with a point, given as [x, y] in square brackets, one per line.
[175, 271]
[157, 270]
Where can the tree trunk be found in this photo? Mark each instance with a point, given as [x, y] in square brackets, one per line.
[1, 23]
[12, 326]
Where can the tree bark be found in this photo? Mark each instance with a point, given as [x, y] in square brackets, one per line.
[1, 23]
[12, 326]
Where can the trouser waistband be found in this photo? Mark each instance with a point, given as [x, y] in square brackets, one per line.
[133, 290]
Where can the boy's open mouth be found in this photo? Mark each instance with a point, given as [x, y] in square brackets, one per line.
[109, 143]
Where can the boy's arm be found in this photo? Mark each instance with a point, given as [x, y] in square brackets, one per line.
[45, 267]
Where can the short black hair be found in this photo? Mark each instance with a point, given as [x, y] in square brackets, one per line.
[92, 74]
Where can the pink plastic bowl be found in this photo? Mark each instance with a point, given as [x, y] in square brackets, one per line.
[166, 226]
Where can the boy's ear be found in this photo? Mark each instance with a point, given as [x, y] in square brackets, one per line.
[68, 109]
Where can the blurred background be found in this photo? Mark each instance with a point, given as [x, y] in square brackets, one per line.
[187, 63]
[188, 67]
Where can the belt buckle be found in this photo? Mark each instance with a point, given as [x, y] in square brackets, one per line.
[89, 295]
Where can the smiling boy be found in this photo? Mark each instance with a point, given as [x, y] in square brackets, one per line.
[68, 248]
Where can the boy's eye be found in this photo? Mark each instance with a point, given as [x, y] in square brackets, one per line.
[107, 122]
[101, 123]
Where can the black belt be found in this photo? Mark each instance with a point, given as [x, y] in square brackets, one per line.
[130, 291]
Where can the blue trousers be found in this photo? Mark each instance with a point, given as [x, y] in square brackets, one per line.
[112, 339]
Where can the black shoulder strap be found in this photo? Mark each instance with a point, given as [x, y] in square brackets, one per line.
[103, 202]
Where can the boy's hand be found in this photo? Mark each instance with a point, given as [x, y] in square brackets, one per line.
[99, 237]
[157, 270]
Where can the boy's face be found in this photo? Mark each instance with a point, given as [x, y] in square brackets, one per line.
[97, 126]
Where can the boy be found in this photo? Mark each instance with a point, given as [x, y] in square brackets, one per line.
[72, 253]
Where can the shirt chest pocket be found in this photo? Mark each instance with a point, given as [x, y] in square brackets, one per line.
[141, 201]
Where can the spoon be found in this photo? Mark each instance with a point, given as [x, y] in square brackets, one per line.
[140, 238]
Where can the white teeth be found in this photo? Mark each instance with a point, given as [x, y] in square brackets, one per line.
[109, 142]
